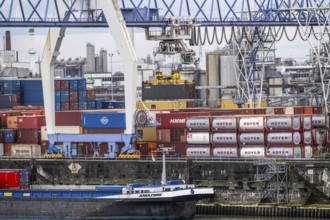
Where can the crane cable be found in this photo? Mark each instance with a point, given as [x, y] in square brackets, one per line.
[200, 37]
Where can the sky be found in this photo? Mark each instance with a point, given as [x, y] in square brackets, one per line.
[75, 40]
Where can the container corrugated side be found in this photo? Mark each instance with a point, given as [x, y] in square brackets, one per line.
[25, 150]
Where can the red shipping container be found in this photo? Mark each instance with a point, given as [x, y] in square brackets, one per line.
[176, 120]
[90, 95]
[8, 149]
[1, 136]
[260, 111]
[57, 84]
[298, 110]
[73, 96]
[65, 106]
[317, 110]
[28, 136]
[44, 146]
[65, 84]
[74, 106]
[4, 116]
[279, 111]
[14, 100]
[31, 112]
[308, 110]
[15, 113]
[31, 121]
[68, 118]
[9, 179]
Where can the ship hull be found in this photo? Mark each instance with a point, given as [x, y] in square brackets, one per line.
[96, 208]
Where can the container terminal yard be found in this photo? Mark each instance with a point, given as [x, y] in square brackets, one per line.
[251, 125]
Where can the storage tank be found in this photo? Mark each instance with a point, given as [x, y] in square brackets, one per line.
[224, 138]
[90, 61]
[252, 138]
[283, 138]
[251, 123]
[198, 123]
[307, 122]
[198, 138]
[283, 123]
[297, 152]
[225, 152]
[320, 121]
[286, 152]
[213, 78]
[222, 123]
[252, 152]
[319, 138]
[308, 151]
[200, 151]
[307, 137]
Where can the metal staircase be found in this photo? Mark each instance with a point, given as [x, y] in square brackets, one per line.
[273, 175]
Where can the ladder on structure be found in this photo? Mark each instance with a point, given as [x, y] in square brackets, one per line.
[273, 181]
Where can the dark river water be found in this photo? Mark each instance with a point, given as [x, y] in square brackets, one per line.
[246, 218]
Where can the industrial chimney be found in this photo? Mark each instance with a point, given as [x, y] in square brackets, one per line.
[8, 41]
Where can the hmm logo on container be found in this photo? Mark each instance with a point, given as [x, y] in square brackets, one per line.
[104, 120]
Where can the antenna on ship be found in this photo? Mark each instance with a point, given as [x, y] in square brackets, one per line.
[164, 150]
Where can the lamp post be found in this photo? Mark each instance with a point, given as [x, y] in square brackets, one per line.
[111, 55]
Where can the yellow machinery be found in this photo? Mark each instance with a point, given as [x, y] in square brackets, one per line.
[173, 78]
[129, 156]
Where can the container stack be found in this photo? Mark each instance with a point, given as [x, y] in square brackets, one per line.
[251, 137]
[198, 137]
[284, 136]
[224, 136]
[13, 86]
[82, 96]
[8, 101]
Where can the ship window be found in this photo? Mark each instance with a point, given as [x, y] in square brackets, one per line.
[167, 189]
[137, 191]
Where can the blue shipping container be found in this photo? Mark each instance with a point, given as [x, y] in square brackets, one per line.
[11, 85]
[9, 135]
[73, 84]
[82, 105]
[112, 104]
[1, 88]
[90, 104]
[57, 96]
[81, 84]
[82, 96]
[58, 106]
[98, 104]
[6, 101]
[103, 120]
[65, 97]
[32, 96]
[32, 85]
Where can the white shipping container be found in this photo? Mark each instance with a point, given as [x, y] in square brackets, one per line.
[281, 152]
[252, 152]
[25, 150]
[225, 152]
[319, 121]
[251, 123]
[2, 150]
[224, 138]
[284, 138]
[289, 111]
[224, 123]
[307, 122]
[198, 151]
[60, 130]
[200, 123]
[198, 138]
[308, 152]
[307, 137]
[296, 123]
[252, 138]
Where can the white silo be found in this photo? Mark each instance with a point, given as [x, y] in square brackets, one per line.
[90, 62]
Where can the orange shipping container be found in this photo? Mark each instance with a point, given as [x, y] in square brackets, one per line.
[308, 110]
[164, 135]
[12, 122]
